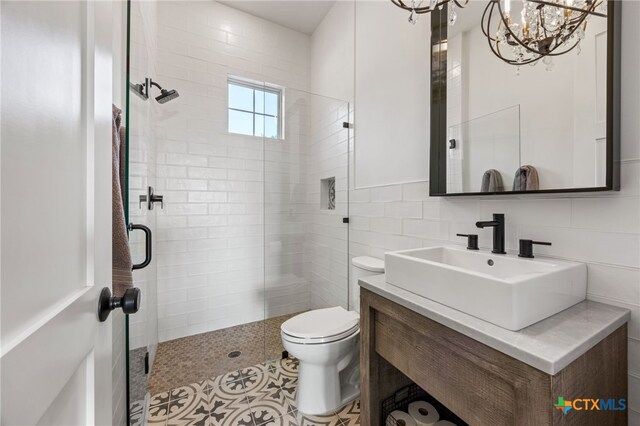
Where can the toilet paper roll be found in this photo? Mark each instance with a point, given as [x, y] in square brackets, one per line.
[400, 418]
[444, 423]
[423, 413]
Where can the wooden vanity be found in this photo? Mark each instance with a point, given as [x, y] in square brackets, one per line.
[480, 384]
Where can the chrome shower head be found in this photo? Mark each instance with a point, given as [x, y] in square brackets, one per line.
[166, 96]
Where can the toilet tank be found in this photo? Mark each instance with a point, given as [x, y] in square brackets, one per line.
[362, 266]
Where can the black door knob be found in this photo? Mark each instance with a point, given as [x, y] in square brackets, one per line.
[129, 302]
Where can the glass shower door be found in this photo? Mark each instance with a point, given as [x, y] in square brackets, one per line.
[141, 143]
[306, 181]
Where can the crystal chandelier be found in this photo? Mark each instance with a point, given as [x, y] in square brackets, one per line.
[419, 7]
[539, 29]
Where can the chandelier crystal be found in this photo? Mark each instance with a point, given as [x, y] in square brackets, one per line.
[419, 7]
[537, 29]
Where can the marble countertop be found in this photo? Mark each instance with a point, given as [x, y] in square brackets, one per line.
[549, 345]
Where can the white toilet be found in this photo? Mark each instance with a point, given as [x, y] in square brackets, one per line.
[326, 342]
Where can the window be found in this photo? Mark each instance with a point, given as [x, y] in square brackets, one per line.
[254, 109]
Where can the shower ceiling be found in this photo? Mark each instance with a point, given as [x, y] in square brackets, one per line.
[301, 15]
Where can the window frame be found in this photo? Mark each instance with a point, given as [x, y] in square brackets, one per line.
[261, 87]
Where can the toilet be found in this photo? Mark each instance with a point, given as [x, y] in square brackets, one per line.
[326, 343]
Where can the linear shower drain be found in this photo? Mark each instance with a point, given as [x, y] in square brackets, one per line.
[234, 354]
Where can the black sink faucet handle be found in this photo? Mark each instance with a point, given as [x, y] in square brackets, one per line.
[526, 247]
[472, 241]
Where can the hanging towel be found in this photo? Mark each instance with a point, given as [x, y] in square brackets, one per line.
[122, 277]
[492, 181]
[526, 179]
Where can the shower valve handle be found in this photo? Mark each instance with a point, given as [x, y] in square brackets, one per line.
[150, 199]
[156, 199]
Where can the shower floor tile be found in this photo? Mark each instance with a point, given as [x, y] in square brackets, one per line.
[259, 395]
[197, 358]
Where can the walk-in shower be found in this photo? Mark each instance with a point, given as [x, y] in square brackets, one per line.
[254, 174]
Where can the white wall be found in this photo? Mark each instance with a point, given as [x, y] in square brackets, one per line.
[392, 95]
[332, 75]
[242, 235]
[333, 53]
[211, 233]
[602, 230]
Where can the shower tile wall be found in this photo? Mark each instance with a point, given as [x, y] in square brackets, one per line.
[210, 235]
[327, 236]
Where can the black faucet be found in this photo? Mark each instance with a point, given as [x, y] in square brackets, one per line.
[498, 232]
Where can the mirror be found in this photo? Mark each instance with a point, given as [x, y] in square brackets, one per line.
[502, 128]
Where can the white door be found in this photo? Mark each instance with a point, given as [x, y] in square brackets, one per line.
[55, 211]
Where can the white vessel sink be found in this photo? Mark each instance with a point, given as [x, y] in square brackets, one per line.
[505, 290]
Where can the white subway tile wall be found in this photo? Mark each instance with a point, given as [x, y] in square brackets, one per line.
[326, 238]
[242, 235]
[577, 227]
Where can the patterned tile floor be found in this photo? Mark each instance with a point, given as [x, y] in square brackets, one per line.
[194, 358]
[261, 395]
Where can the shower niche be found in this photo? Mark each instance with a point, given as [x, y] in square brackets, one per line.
[328, 193]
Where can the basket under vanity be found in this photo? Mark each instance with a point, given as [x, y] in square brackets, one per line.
[489, 375]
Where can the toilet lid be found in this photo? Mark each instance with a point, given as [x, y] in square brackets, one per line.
[369, 263]
[321, 324]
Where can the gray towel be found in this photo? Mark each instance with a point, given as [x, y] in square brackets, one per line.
[526, 179]
[492, 181]
[122, 277]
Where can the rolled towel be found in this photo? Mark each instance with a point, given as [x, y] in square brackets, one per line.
[526, 179]
[492, 181]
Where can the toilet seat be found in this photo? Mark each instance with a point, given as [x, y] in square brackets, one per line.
[320, 340]
[321, 326]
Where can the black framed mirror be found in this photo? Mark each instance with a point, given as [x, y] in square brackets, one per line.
[505, 120]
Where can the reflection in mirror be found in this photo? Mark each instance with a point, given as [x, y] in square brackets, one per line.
[487, 147]
[533, 127]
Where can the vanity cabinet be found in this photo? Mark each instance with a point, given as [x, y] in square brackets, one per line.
[482, 385]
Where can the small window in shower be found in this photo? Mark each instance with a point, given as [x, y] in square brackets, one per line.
[255, 109]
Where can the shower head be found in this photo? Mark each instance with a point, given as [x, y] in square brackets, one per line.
[166, 96]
